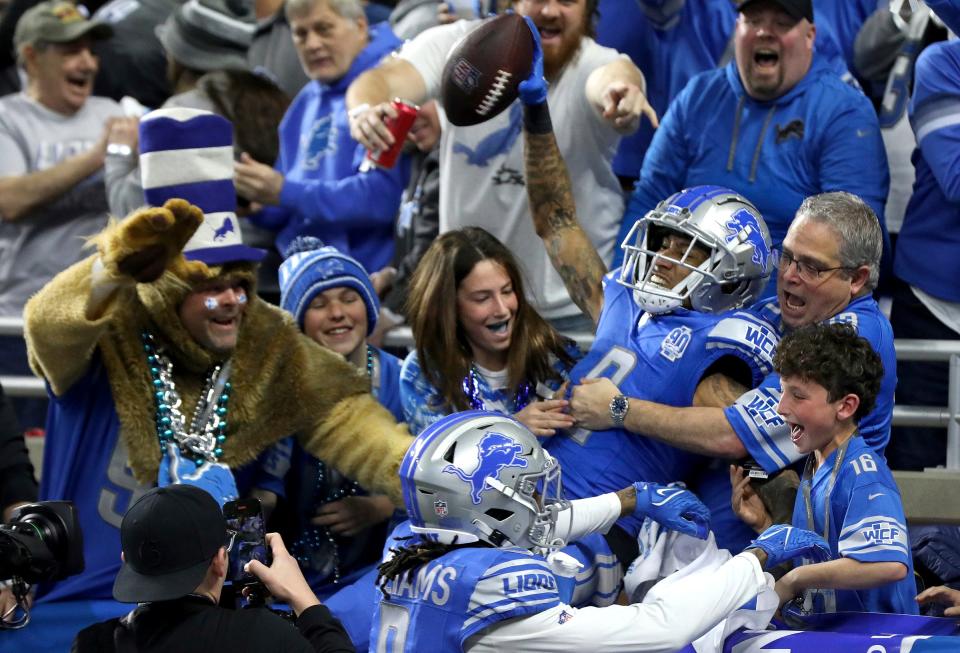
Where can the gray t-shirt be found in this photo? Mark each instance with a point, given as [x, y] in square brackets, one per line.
[34, 248]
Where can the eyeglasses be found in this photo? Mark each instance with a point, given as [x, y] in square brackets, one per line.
[807, 271]
[231, 538]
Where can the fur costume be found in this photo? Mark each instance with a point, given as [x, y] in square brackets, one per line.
[283, 382]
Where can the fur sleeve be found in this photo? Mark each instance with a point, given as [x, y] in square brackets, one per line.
[60, 338]
[361, 439]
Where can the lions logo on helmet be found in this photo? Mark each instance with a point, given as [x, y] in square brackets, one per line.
[494, 452]
[494, 481]
[716, 220]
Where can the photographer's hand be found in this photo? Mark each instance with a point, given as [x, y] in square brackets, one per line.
[283, 579]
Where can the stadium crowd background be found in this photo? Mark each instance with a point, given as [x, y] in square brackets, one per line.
[876, 119]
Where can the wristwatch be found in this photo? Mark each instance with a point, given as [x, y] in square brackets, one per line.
[619, 406]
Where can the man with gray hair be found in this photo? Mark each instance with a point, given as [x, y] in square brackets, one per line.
[316, 187]
[828, 266]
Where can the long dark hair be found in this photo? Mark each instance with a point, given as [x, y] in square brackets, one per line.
[442, 347]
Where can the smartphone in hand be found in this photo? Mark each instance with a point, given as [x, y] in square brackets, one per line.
[245, 518]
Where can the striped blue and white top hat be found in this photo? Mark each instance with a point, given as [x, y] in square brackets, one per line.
[188, 154]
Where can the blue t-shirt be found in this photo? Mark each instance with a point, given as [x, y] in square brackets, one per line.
[760, 427]
[85, 462]
[866, 524]
[659, 358]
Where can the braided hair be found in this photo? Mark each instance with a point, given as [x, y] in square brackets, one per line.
[407, 558]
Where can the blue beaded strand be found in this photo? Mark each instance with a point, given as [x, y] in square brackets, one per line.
[162, 395]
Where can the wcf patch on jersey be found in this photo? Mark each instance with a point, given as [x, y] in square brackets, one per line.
[564, 617]
[675, 344]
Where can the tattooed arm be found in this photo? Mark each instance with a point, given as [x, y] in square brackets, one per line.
[555, 221]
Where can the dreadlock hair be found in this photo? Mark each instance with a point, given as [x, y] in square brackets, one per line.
[406, 559]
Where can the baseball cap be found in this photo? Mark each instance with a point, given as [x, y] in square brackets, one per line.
[795, 8]
[169, 536]
[57, 22]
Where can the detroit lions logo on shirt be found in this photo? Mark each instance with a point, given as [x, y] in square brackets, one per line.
[675, 344]
[743, 227]
[320, 140]
[494, 144]
[494, 452]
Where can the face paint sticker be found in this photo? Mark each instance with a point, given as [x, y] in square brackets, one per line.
[211, 303]
[242, 298]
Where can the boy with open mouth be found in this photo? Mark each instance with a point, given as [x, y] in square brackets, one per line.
[830, 377]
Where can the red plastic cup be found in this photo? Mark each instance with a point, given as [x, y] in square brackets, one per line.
[399, 126]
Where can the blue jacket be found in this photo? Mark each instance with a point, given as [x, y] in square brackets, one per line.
[324, 194]
[677, 40]
[929, 239]
[822, 135]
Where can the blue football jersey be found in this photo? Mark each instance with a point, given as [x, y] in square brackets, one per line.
[85, 462]
[754, 416]
[866, 524]
[659, 358]
[441, 604]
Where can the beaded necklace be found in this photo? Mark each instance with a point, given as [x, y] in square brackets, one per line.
[208, 428]
[317, 548]
[471, 388]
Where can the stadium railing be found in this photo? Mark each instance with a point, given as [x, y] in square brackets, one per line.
[923, 492]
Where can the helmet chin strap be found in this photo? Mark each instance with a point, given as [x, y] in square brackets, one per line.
[495, 537]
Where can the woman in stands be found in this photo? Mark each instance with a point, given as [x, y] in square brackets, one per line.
[479, 343]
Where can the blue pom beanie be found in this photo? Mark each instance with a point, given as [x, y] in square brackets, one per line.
[309, 268]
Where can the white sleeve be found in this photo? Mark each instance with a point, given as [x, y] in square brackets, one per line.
[686, 611]
[428, 51]
[586, 516]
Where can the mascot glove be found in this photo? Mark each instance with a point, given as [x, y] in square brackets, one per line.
[533, 90]
[215, 478]
[782, 543]
[150, 241]
[672, 507]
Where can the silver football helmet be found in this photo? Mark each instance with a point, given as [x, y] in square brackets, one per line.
[716, 219]
[480, 475]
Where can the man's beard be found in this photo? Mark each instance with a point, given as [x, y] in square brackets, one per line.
[552, 65]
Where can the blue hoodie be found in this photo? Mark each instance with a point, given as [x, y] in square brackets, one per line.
[929, 240]
[820, 136]
[324, 194]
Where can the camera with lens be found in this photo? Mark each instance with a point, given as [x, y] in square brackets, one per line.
[42, 542]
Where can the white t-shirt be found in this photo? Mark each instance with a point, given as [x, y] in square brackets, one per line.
[50, 238]
[482, 166]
